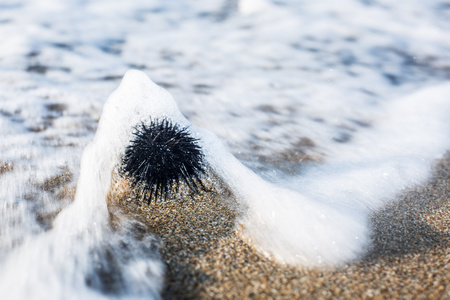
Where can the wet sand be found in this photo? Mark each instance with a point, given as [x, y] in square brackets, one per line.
[206, 258]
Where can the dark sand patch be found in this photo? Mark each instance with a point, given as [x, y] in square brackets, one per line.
[63, 193]
[6, 167]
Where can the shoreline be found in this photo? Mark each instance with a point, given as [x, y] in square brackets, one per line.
[206, 258]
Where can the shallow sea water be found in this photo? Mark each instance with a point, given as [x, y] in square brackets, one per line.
[331, 110]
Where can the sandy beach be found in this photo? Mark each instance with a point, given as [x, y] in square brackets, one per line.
[338, 105]
[206, 257]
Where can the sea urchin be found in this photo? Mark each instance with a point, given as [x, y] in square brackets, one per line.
[160, 156]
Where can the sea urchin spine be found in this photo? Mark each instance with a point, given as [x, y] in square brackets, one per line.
[160, 156]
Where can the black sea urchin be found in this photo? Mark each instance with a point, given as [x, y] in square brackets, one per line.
[160, 155]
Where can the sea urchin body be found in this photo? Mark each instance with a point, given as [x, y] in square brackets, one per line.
[160, 156]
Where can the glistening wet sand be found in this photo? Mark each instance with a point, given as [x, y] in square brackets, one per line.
[207, 259]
